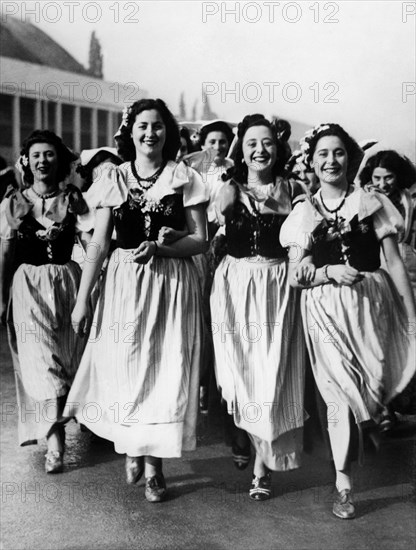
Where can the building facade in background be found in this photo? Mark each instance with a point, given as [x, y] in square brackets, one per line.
[43, 86]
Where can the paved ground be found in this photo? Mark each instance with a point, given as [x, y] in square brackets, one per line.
[90, 506]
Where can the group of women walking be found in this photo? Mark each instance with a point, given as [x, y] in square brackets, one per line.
[291, 259]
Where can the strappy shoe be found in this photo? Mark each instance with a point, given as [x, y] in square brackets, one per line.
[54, 463]
[155, 488]
[343, 505]
[134, 468]
[261, 487]
[241, 456]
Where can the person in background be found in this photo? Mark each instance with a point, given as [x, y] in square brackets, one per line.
[186, 143]
[356, 315]
[211, 163]
[92, 163]
[393, 175]
[37, 236]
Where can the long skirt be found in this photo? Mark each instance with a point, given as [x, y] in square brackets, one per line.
[260, 355]
[137, 384]
[45, 350]
[361, 347]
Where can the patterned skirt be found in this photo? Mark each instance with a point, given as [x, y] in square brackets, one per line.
[260, 355]
[359, 341]
[137, 384]
[45, 350]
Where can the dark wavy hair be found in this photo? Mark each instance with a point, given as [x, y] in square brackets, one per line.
[217, 126]
[65, 156]
[401, 167]
[354, 151]
[240, 170]
[283, 129]
[124, 141]
[184, 133]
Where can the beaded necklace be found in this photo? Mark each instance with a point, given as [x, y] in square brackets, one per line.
[338, 208]
[45, 196]
[149, 182]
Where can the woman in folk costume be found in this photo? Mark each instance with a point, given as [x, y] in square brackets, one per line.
[38, 233]
[391, 174]
[356, 315]
[258, 341]
[388, 172]
[141, 363]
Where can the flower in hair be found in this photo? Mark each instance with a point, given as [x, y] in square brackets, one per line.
[24, 160]
[305, 141]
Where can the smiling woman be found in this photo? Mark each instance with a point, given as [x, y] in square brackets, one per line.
[259, 350]
[37, 232]
[150, 373]
[364, 352]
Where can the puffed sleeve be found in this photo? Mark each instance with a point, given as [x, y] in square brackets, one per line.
[298, 226]
[387, 220]
[193, 188]
[109, 189]
[6, 232]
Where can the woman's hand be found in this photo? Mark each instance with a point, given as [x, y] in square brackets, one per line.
[167, 235]
[145, 251]
[81, 319]
[305, 273]
[344, 274]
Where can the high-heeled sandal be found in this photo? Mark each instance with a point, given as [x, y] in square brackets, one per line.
[134, 468]
[261, 487]
[54, 463]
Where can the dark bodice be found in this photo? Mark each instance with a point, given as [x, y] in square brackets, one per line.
[253, 234]
[36, 244]
[339, 242]
[136, 221]
[32, 248]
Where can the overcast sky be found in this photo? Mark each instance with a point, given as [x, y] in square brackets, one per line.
[351, 62]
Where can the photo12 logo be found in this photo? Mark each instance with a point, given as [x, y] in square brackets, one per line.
[271, 12]
[254, 92]
[70, 12]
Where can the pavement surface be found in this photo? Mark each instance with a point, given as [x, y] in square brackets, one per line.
[90, 506]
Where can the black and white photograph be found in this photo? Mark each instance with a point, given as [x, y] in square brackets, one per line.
[208, 275]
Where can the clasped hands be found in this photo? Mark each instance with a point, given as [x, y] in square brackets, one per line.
[340, 273]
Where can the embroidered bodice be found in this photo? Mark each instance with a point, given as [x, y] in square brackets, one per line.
[253, 234]
[134, 223]
[44, 229]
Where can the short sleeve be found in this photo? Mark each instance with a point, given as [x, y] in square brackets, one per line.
[86, 222]
[109, 189]
[193, 188]
[6, 232]
[297, 229]
[387, 220]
